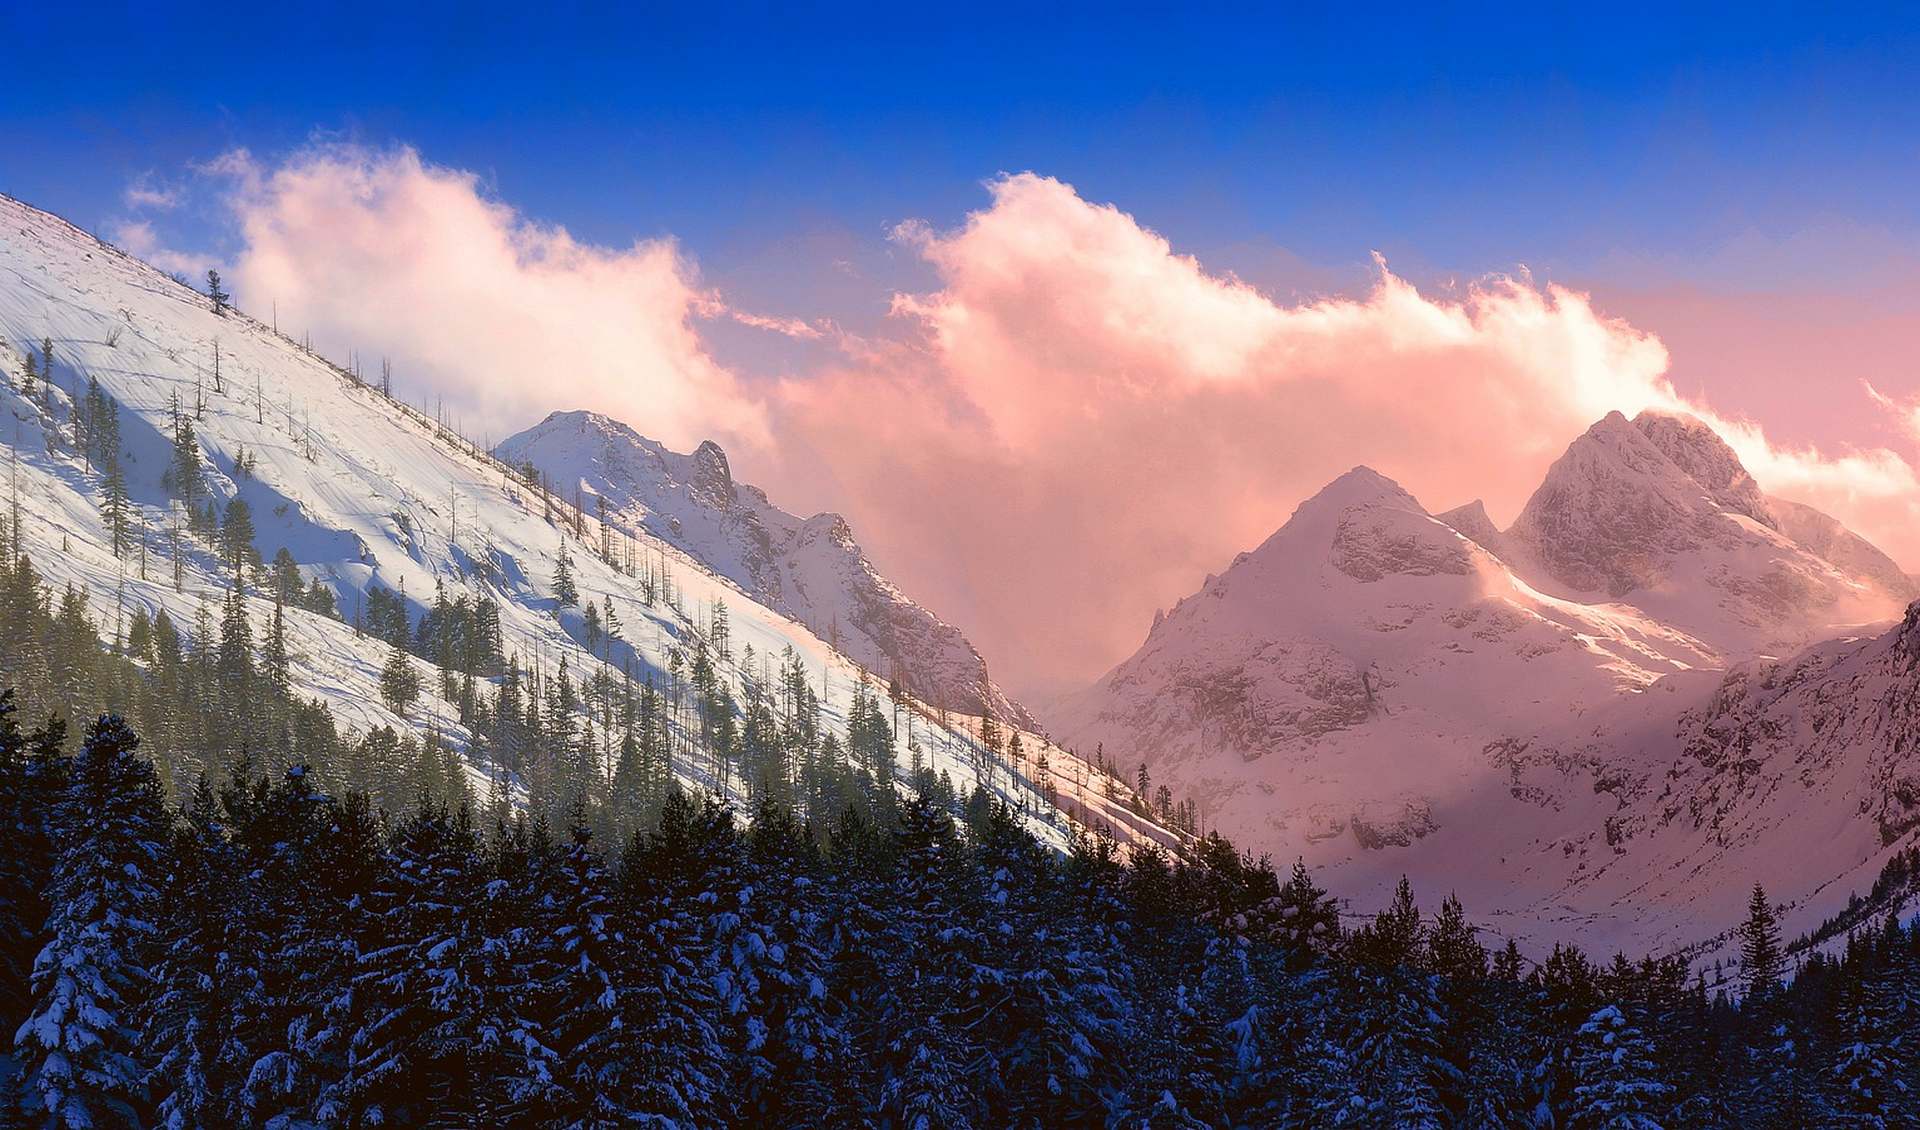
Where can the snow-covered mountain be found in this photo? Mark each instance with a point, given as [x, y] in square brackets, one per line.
[1384, 690]
[810, 569]
[1658, 513]
[367, 493]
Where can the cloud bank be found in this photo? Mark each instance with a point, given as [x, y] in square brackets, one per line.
[1069, 431]
[1085, 422]
[383, 253]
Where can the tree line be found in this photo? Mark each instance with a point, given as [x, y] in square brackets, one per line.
[273, 950]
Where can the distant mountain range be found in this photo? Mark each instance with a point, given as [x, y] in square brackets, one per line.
[1581, 721]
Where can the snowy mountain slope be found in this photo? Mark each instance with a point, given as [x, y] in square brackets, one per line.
[1374, 677]
[810, 569]
[1333, 692]
[1803, 774]
[363, 491]
[1842, 548]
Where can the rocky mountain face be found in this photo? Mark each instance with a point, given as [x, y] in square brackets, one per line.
[1657, 513]
[810, 569]
[1520, 703]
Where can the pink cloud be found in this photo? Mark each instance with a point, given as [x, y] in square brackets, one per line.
[506, 317]
[1081, 422]
[1904, 412]
[137, 237]
[1068, 431]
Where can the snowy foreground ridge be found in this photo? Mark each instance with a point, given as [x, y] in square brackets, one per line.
[810, 570]
[1581, 723]
[367, 493]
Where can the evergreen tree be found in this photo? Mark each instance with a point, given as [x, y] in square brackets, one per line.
[236, 539]
[215, 292]
[399, 683]
[564, 589]
[206, 971]
[183, 475]
[1760, 958]
[79, 1045]
[1618, 1087]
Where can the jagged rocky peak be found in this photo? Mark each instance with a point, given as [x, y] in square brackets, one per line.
[1471, 521]
[713, 479]
[828, 526]
[1611, 510]
[1700, 452]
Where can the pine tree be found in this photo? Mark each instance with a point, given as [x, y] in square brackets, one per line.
[399, 682]
[79, 1045]
[115, 507]
[215, 293]
[236, 539]
[1760, 959]
[1308, 925]
[1617, 1086]
[672, 987]
[437, 1027]
[1873, 1070]
[208, 965]
[183, 475]
[33, 777]
[564, 590]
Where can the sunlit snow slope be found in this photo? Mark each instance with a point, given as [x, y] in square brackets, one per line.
[363, 491]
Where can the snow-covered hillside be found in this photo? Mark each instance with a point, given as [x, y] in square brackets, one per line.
[1383, 690]
[365, 493]
[810, 569]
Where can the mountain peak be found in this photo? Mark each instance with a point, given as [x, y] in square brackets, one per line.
[1471, 521]
[1612, 508]
[1361, 486]
[1698, 450]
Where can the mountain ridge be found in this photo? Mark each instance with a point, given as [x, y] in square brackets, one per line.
[809, 568]
[1373, 675]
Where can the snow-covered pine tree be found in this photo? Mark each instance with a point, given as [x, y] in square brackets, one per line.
[670, 968]
[923, 1035]
[430, 969]
[564, 589]
[33, 775]
[1873, 1078]
[1617, 1086]
[78, 1046]
[1058, 1015]
[1395, 1050]
[207, 976]
[320, 888]
[789, 1043]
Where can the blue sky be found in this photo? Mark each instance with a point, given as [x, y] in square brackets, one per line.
[1450, 143]
[1741, 185]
